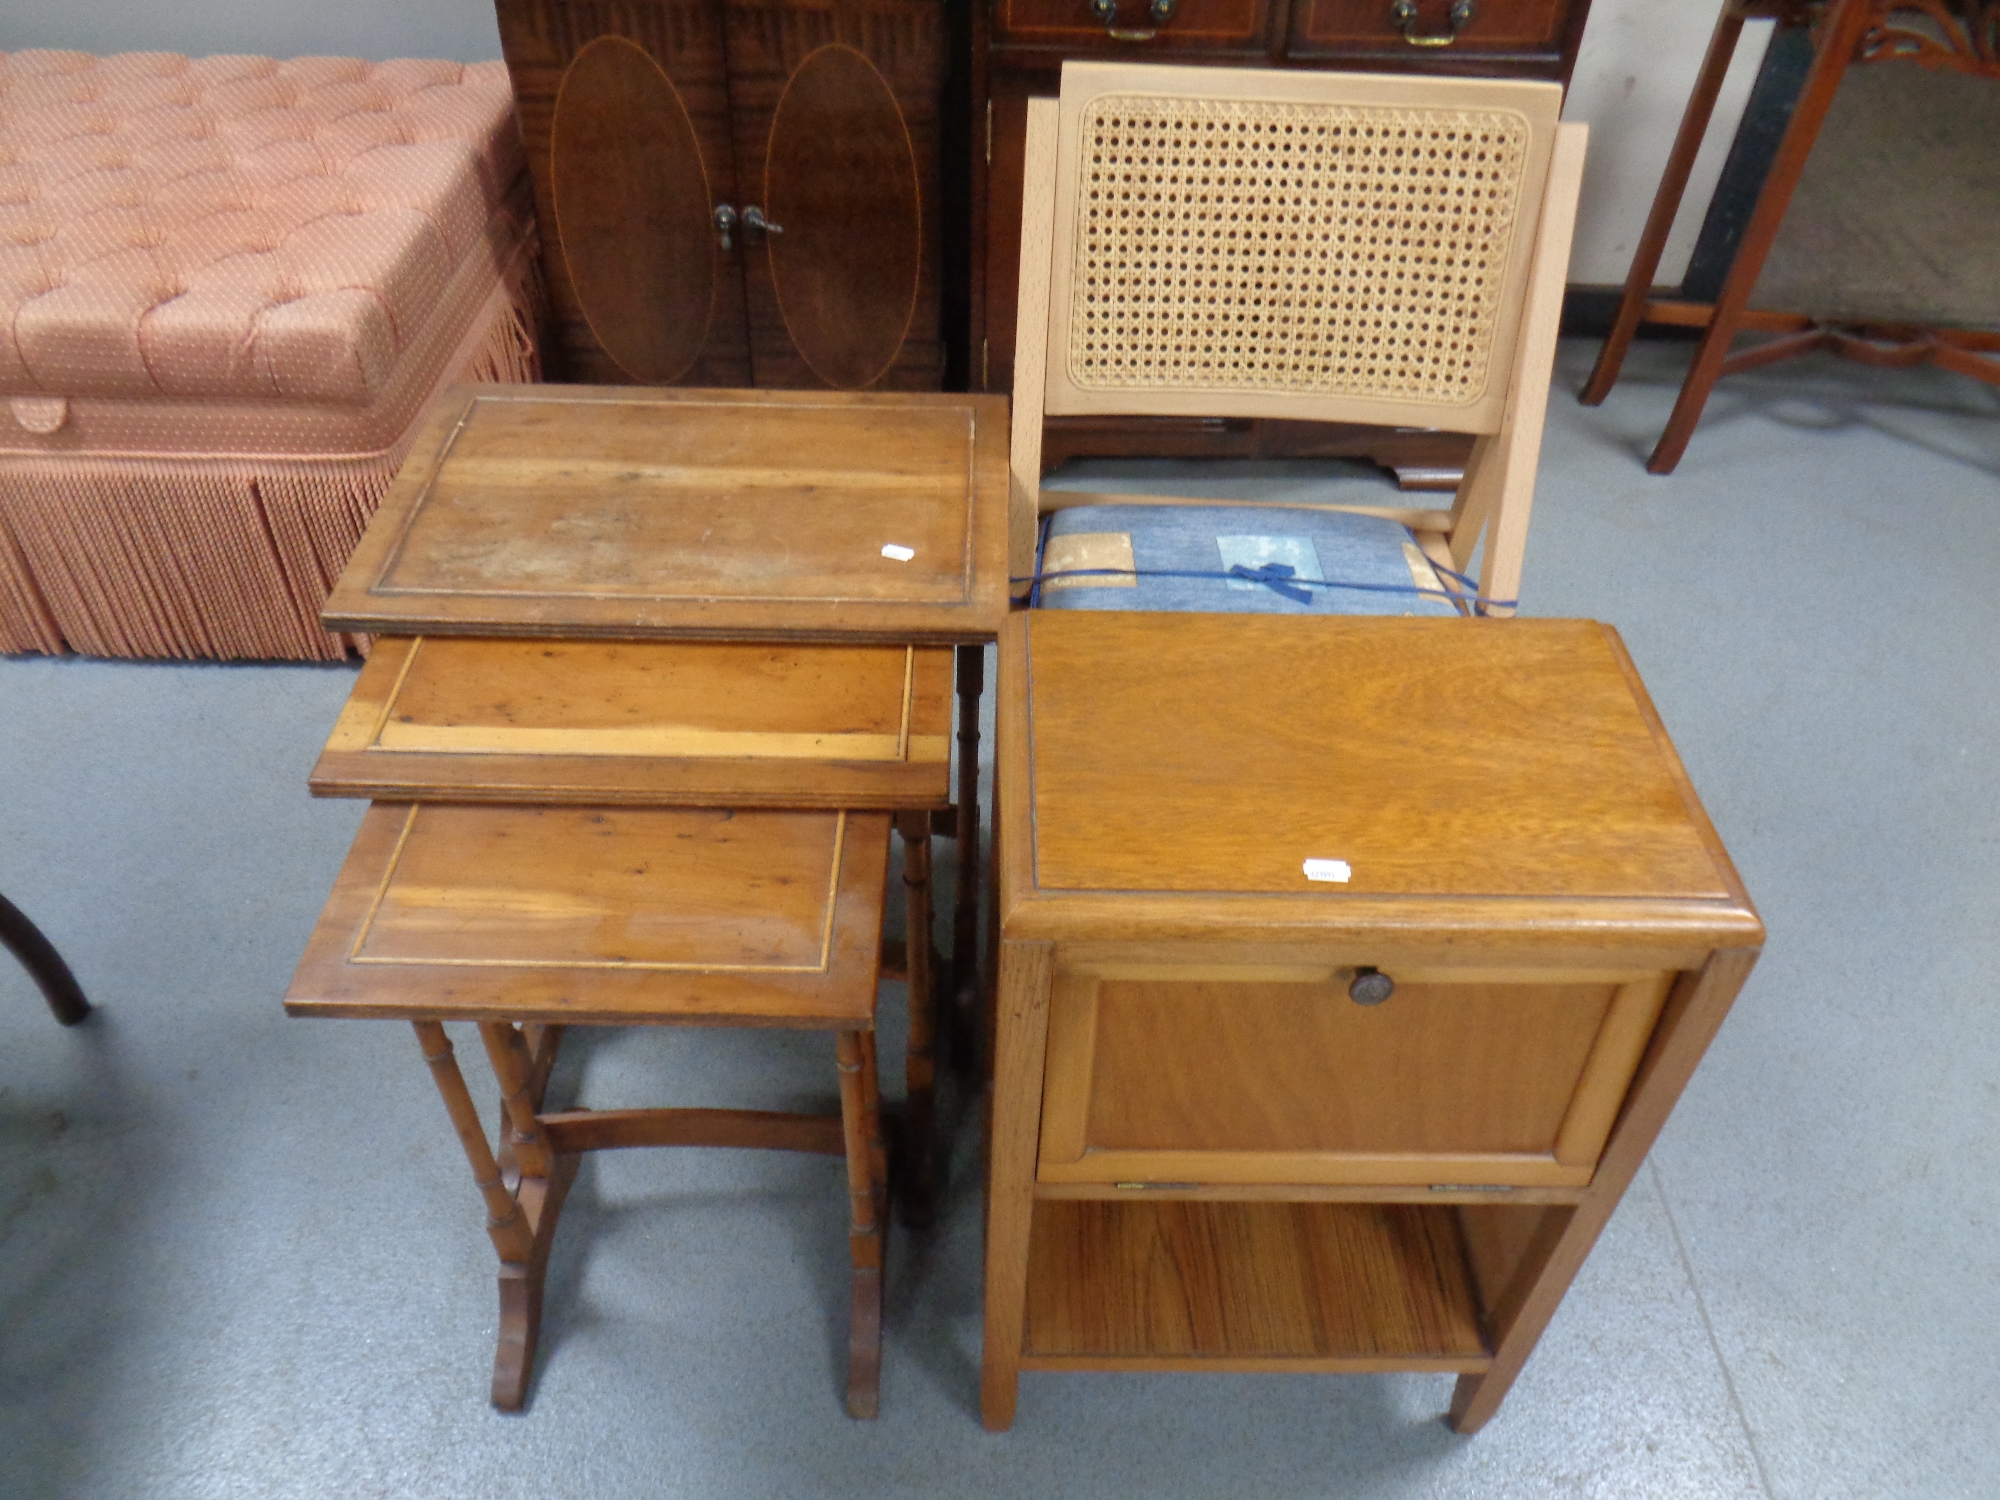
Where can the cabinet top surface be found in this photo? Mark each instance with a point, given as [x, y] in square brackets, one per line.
[1174, 761]
[635, 512]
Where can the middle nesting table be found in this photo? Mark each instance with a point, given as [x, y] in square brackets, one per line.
[698, 599]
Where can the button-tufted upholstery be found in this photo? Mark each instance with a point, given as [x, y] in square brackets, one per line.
[227, 287]
[235, 226]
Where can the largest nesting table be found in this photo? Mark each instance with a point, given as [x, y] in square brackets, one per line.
[654, 670]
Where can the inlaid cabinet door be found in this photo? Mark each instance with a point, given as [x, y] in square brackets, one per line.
[836, 124]
[624, 111]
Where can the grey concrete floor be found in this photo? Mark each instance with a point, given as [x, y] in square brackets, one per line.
[240, 1256]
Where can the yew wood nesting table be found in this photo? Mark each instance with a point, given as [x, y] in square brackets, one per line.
[1348, 969]
[654, 674]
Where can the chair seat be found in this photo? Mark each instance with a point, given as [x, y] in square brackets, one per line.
[1374, 558]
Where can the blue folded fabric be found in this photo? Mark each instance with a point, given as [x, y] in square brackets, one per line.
[1251, 554]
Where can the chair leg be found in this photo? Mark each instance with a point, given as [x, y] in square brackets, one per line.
[1666, 205]
[920, 1069]
[965, 956]
[1840, 35]
[45, 966]
[860, 1111]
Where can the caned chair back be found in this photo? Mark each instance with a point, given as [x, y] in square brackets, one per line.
[1359, 248]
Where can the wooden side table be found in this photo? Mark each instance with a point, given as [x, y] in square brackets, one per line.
[708, 638]
[1954, 34]
[1348, 969]
[529, 919]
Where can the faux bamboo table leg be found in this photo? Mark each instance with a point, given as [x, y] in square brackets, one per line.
[920, 1068]
[1840, 34]
[965, 956]
[521, 1224]
[1666, 204]
[860, 1112]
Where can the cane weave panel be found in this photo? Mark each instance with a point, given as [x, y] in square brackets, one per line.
[1268, 247]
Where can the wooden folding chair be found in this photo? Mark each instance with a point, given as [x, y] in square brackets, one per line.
[1317, 246]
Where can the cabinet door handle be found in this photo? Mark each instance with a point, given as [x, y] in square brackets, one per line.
[725, 220]
[1405, 14]
[1370, 987]
[753, 218]
[1162, 11]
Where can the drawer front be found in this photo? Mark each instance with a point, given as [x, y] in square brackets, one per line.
[1508, 1077]
[1372, 28]
[1134, 28]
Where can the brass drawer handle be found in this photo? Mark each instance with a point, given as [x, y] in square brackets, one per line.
[1370, 987]
[1405, 14]
[1162, 11]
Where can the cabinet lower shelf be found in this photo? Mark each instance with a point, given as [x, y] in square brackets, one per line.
[1356, 1287]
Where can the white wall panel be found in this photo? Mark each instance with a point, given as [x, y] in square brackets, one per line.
[1633, 77]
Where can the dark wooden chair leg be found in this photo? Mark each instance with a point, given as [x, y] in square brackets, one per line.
[860, 1109]
[1841, 31]
[1666, 205]
[45, 966]
[965, 956]
[920, 1069]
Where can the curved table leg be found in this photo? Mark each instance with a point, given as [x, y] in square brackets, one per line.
[44, 965]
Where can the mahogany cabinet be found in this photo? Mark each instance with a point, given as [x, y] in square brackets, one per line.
[736, 192]
[1019, 47]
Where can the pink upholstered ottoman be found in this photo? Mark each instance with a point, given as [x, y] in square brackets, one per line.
[227, 287]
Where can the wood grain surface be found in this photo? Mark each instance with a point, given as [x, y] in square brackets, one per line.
[628, 194]
[701, 723]
[1469, 1081]
[1326, 1283]
[583, 511]
[1436, 758]
[618, 915]
[632, 210]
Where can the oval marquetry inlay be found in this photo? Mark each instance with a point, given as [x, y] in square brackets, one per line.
[842, 181]
[632, 209]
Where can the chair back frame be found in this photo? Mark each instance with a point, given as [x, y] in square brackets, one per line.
[1519, 315]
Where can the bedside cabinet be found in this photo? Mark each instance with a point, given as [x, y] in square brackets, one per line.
[1348, 968]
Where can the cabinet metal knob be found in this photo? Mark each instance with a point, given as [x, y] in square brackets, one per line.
[725, 220]
[753, 218]
[1404, 12]
[1370, 987]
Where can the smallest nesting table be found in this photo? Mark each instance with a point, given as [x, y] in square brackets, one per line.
[528, 919]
